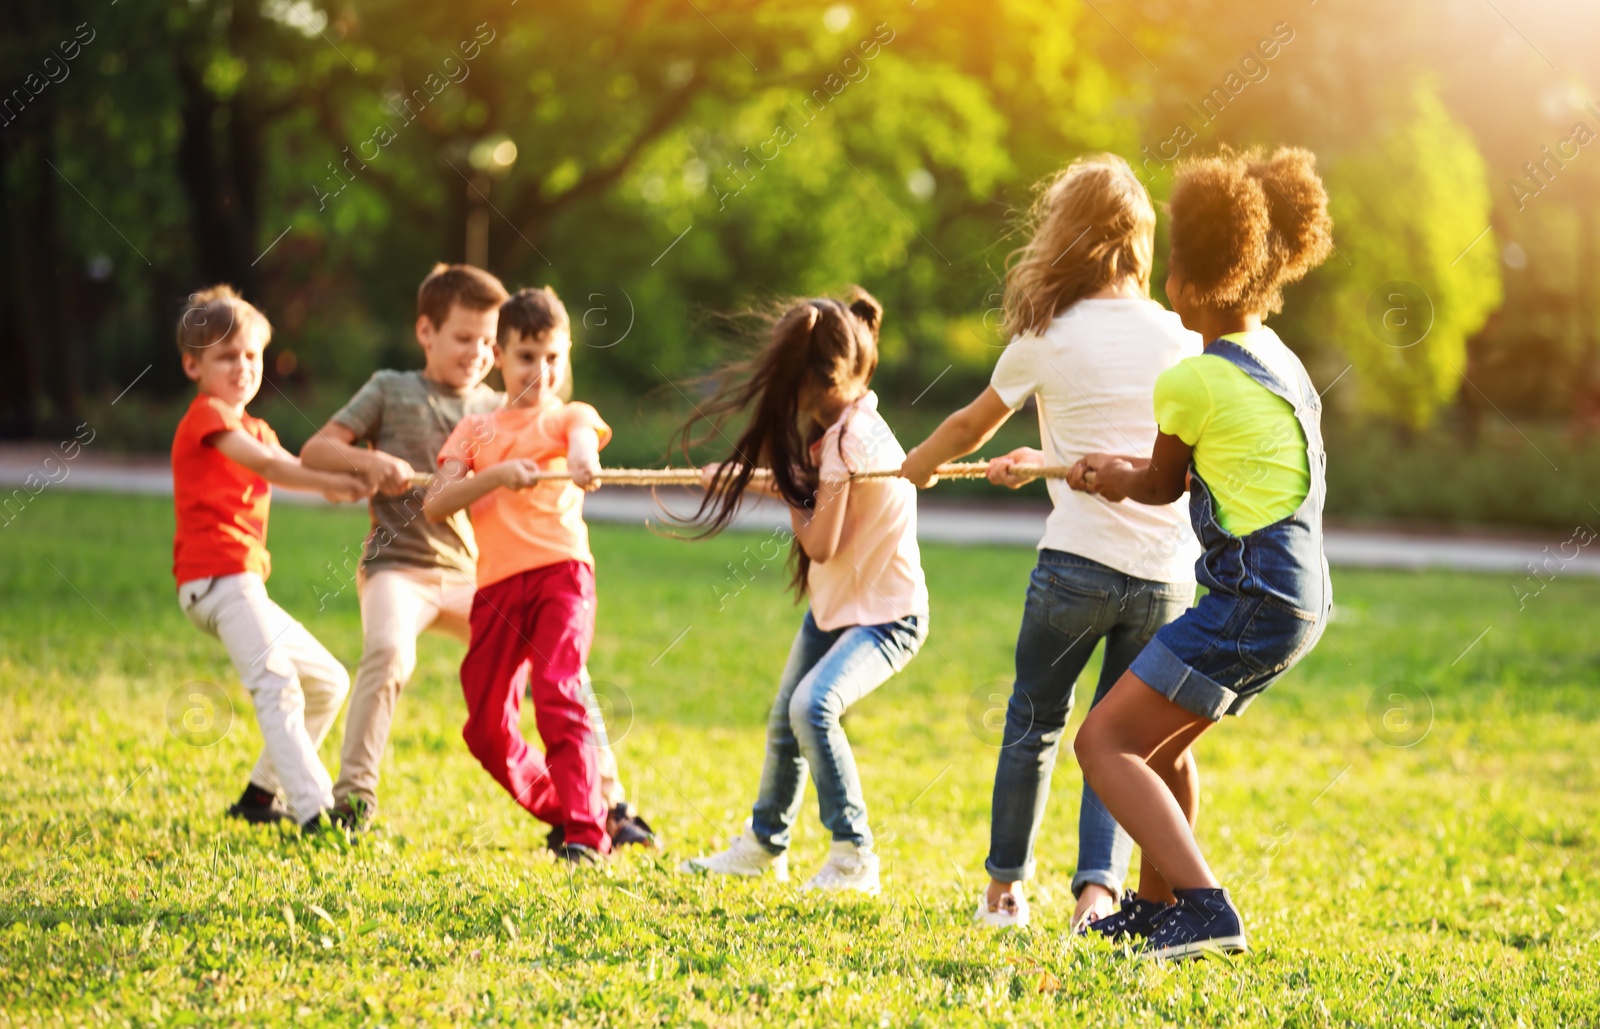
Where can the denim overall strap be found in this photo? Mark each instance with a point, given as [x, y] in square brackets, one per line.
[1284, 560]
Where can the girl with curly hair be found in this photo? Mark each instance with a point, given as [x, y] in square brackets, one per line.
[1239, 427]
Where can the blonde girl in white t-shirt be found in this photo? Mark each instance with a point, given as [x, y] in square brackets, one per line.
[1087, 343]
[813, 420]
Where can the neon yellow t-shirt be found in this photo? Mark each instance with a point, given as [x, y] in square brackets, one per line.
[1248, 445]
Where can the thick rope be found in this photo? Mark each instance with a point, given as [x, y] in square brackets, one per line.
[691, 476]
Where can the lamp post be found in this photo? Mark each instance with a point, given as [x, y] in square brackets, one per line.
[490, 158]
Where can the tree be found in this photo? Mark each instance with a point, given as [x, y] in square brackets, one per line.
[1417, 271]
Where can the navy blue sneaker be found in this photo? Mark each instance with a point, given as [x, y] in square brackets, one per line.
[1202, 922]
[1136, 920]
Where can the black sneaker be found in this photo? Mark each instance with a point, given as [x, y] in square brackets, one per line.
[623, 825]
[258, 806]
[1202, 922]
[578, 854]
[352, 814]
[627, 829]
[1135, 920]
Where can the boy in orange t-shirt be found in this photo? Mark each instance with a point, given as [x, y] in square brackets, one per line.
[535, 601]
[224, 462]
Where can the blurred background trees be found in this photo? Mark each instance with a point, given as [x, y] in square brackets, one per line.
[655, 161]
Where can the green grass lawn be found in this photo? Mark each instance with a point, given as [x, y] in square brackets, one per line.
[1448, 882]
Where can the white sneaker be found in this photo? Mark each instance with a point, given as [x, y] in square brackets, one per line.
[1013, 912]
[745, 856]
[848, 867]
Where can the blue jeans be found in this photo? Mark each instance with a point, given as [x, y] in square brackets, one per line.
[826, 673]
[1073, 603]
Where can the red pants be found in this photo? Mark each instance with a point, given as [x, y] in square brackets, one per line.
[544, 618]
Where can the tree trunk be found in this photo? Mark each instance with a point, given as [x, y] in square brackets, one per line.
[19, 387]
[58, 335]
[223, 189]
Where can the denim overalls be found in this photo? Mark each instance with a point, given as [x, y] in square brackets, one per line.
[1269, 593]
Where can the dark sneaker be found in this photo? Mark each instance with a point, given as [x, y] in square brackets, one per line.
[352, 814]
[578, 854]
[627, 829]
[1202, 922]
[258, 806]
[1135, 920]
[623, 825]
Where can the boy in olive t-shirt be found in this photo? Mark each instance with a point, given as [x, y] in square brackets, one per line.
[417, 574]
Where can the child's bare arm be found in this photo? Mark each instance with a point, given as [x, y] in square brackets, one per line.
[963, 432]
[334, 449]
[818, 530]
[583, 458]
[282, 468]
[1158, 479]
[455, 490]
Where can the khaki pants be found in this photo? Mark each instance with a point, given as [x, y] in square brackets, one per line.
[296, 685]
[397, 606]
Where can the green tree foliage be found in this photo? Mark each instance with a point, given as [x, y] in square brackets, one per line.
[655, 161]
[1417, 271]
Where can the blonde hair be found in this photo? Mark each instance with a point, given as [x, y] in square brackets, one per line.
[1092, 224]
[213, 315]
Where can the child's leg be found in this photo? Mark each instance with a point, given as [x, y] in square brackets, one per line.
[1178, 769]
[783, 773]
[1060, 629]
[261, 639]
[323, 679]
[324, 683]
[1115, 745]
[396, 605]
[455, 612]
[1104, 848]
[862, 659]
[611, 791]
[561, 604]
[494, 705]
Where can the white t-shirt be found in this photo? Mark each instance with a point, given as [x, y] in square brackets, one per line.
[1094, 373]
[875, 575]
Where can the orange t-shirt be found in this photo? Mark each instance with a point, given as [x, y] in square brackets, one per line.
[519, 530]
[222, 506]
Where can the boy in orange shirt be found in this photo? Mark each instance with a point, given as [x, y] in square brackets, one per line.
[223, 464]
[535, 601]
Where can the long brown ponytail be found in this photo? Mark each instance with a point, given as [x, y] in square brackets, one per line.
[818, 344]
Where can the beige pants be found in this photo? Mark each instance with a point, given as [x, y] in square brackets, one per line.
[397, 606]
[297, 686]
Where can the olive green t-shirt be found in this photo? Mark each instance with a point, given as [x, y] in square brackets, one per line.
[1248, 444]
[410, 416]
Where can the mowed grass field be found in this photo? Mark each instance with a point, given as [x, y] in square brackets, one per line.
[1409, 821]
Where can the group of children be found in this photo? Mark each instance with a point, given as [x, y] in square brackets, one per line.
[525, 606]
[1143, 404]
